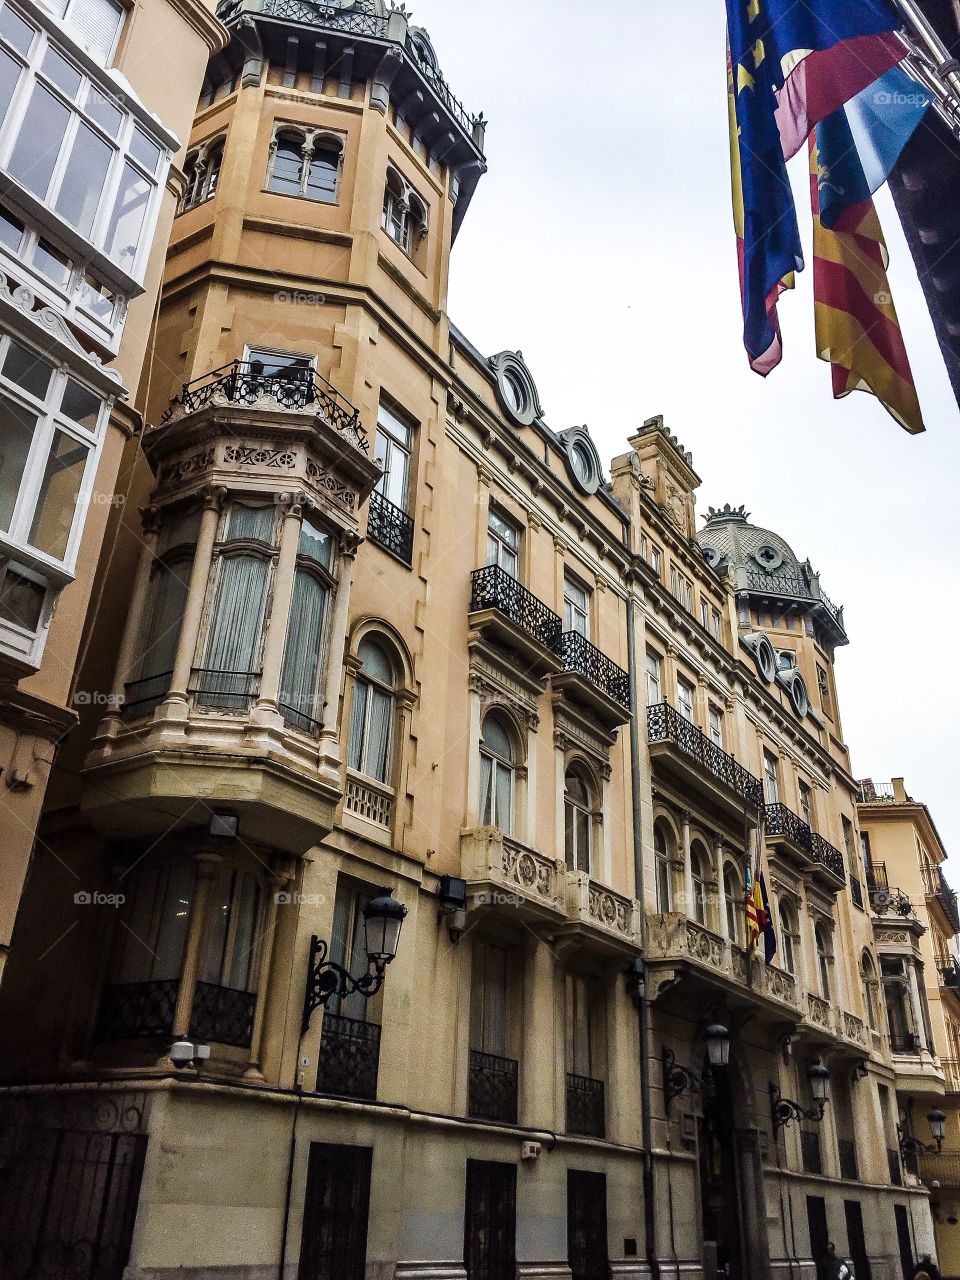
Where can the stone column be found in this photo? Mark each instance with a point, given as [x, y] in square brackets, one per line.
[721, 891]
[532, 794]
[196, 592]
[539, 1057]
[207, 865]
[283, 580]
[129, 654]
[687, 870]
[329, 737]
[277, 883]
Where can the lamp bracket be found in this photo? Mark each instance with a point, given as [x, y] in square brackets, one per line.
[911, 1146]
[326, 979]
[784, 1110]
[677, 1079]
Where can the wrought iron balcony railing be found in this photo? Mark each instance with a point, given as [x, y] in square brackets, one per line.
[586, 1111]
[781, 821]
[354, 23]
[492, 1087]
[664, 724]
[141, 696]
[907, 1042]
[349, 1057]
[810, 1151]
[935, 886]
[224, 690]
[876, 792]
[137, 1010]
[793, 586]
[244, 382]
[390, 527]
[494, 588]
[828, 857]
[223, 1015]
[578, 654]
[847, 1153]
[950, 975]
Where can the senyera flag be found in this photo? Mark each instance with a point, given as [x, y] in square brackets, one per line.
[790, 64]
[857, 331]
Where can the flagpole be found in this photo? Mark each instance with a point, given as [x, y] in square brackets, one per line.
[940, 72]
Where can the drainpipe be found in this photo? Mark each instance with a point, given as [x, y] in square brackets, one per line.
[643, 1004]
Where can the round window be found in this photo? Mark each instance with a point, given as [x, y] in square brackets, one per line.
[515, 391]
[769, 557]
[582, 464]
[798, 695]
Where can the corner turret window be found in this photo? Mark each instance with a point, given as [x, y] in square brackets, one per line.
[202, 171]
[404, 216]
[307, 163]
[300, 678]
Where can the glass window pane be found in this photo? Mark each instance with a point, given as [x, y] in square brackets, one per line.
[59, 490]
[285, 175]
[145, 151]
[173, 922]
[315, 543]
[11, 231]
[255, 523]
[375, 662]
[358, 719]
[63, 73]
[18, 426]
[50, 262]
[377, 763]
[39, 141]
[496, 737]
[13, 28]
[218, 924]
[168, 598]
[126, 223]
[246, 907]
[104, 111]
[82, 186]
[97, 298]
[504, 798]
[27, 370]
[10, 70]
[81, 405]
[301, 659]
[234, 645]
[21, 600]
[486, 791]
[322, 176]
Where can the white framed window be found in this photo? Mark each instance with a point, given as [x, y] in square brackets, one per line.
[685, 698]
[404, 217]
[498, 774]
[578, 820]
[392, 449]
[307, 163]
[806, 803]
[96, 23]
[661, 866]
[716, 725]
[771, 778]
[715, 623]
[654, 679]
[705, 614]
[789, 933]
[576, 607]
[656, 560]
[76, 147]
[503, 543]
[370, 747]
[301, 699]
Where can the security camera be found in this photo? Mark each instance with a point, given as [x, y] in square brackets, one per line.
[181, 1054]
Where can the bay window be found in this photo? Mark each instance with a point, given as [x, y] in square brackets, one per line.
[74, 147]
[300, 677]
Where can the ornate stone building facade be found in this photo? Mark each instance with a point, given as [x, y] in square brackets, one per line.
[385, 627]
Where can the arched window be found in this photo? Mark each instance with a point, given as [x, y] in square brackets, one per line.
[371, 720]
[497, 774]
[202, 172]
[578, 820]
[300, 695]
[699, 873]
[404, 216]
[323, 172]
[286, 168]
[662, 842]
[824, 958]
[868, 973]
[788, 937]
[733, 894]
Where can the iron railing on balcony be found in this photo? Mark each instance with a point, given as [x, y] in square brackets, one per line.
[244, 382]
[223, 1015]
[830, 859]
[224, 690]
[141, 696]
[810, 1151]
[942, 1167]
[935, 885]
[871, 792]
[895, 1167]
[586, 1110]
[950, 975]
[390, 527]
[349, 1057]
[470, 124]
[137, 1010]
[856, 891]
[298, 719]
[494, 588]
[847, 1155]
[781, 821]
[664, 724]
[906, 1042]
[951, 1074]
[352, 21]
[578, 654]
[794, 586]
[492, 1092]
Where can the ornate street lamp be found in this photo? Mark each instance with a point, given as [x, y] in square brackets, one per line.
[718, 1044]
[910, 1146]
[677, 1079]
[382, 921]
[785, 1109]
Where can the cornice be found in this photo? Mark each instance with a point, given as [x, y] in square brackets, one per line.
[199, 18]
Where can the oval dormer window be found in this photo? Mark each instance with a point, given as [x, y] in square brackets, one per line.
[582, 464]
[516, 390]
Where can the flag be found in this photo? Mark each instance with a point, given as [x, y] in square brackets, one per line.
[756, 916]
[857, 329]
[789, 65]
[769, 932]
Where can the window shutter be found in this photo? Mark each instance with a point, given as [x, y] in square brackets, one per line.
[96, 22]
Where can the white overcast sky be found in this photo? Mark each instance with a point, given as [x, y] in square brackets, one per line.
[600, 243]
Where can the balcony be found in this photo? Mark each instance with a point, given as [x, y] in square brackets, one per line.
[502, 873]
[679, 747]
[936, 887]
[847, 1156]
[505, 612]
[942, 1167]
[492, 1088]
[586, 1110]
[906, 1044]
[349, 1058]
[810, 1151]
[785, 829]
[600, 920]
[390, 528]
[591, 678]
[144, 1010]
[827, 863]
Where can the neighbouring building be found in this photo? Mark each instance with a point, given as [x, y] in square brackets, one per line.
[90, 118]
[916, 922]
[384, 629]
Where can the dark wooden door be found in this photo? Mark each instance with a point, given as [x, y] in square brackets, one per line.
[856, 1240]
[490, 1221]
[817, 1223]
[587, 1225]
[903, 1239]
[335, 1212]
